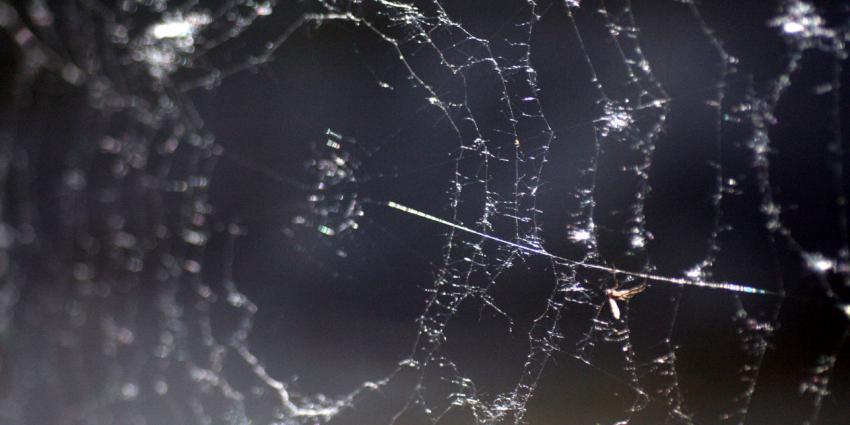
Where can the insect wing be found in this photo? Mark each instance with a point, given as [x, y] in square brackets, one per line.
[615, 310]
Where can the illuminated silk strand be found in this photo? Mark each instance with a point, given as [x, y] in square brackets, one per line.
[724, 286]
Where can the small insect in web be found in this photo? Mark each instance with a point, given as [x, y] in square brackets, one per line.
[616, 294]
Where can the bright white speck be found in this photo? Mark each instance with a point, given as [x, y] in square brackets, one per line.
[173, 29]
[637, 241]
[194, 237]
[236, 299]
[694, 272]
[616, 119]
[177, 26]
[619, 120]
[580, 235]
[264, 9]
[818, 263]
[167, 41]
[793, 27]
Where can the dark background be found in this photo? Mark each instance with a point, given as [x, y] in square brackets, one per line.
[327, 322]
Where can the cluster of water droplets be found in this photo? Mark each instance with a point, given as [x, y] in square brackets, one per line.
[333, 199]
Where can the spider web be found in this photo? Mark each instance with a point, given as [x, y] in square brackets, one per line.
[423, 212]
